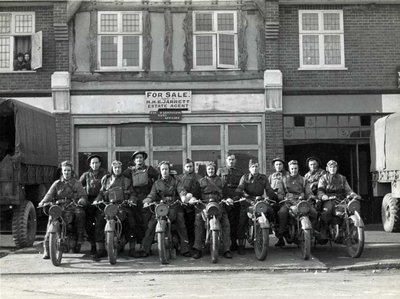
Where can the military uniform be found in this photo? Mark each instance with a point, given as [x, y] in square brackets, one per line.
[91, 182]
[276, 182]
[311, 182]
[166, 189]
[230, 181]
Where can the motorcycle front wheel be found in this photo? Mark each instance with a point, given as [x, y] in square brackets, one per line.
[111, 247]
[162, 248]
[214, 246]
[305, 243]
[261, 242]
[355, 240]
[56, 250]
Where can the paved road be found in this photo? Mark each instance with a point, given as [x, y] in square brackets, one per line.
[264, 284]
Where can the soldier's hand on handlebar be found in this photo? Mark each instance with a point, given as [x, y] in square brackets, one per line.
[82, 202]
[325, 197]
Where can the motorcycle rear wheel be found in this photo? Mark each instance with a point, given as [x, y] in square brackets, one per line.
[56, 250]
[111, 247]
[261, 242]
[355, 240]
[214, 246]
[305, 243]
[162, 248]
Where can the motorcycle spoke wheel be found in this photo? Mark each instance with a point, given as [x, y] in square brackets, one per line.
[305, 243]
[163, 252]
[56, 250]
[261, 242]
[111, 246]
[214, 246]
[355, 240]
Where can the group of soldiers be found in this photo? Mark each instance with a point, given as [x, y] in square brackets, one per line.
[141, 185]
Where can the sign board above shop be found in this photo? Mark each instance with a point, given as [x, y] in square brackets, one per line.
[165, 115]
[168, 100]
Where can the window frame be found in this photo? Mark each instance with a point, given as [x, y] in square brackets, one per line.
[321, 33]
[119, 34]
[215, 34]
[12, 34]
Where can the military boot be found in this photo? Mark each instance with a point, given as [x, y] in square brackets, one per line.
[100, 251]
[132, 251]
[46, 250]
[241, 250]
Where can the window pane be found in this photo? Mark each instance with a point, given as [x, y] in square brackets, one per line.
[5, 23]
[204, 50]
[109, 48]
[331, 21]
[200, 158]
[130, 22]
[96, 137]
[310, 49]
[83, 163]
[167, 135]
[206, 135]
[108, 22]
[226, 21]
[332, 49]
[130, 135]
[130, 55]
[309, 21]
[175, 158]
[23, 24]
[243, 157]
[226, 49]
[203, 22]
[4, 52]
[242, 134]
[125, 158]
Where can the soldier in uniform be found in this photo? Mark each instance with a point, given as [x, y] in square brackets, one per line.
[312, 176]
[252, 184]
[188, 186]
[332, 184]
[142, 177]
[115, 188]
[231, 175]
[211, 189]
[275, 179]
[91, 182]
[67, 188]
[165, 189]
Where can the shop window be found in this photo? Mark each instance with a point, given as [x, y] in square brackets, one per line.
[206, 135]
[92, 137]
[321, 39]
[120, 40]
[215, 43]
[167, 135]
[130, 135]
[20, 45]
[173, 157]
[242, 134]
[365, 120]
[125, 158]
[84, 165]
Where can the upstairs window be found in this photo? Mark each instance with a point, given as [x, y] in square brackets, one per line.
[120, 40]
[215, 40]
[20, 46]
[321, 39]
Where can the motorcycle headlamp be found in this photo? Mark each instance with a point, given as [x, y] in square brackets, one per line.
[55, 212]
[161, 209]
[111, 210]
[303, 207]
[261, 207]
[213, 209]
[354, 205]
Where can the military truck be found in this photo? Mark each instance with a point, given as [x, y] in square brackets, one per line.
[28, 164]
[385, 168]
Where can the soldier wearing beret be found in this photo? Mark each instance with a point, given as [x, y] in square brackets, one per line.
[91, 182]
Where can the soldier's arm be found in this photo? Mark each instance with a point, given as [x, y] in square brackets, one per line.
[82, 179]
[322, 188]
[240, 188]
[50, 194]
[153, 173]
[347, 188]
[179, 186]
[268, 190]
[151, 197]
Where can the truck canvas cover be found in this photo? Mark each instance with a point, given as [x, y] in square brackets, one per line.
[385, 143]
[27, 133]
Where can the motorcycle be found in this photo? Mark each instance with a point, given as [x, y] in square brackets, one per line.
[165, 244]
[347, 227]
[300, 227]
[113, 227]
[259, 226]
[61, 230]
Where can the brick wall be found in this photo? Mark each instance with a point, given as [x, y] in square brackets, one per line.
[63, 130]
[272, 42]
[372, 52]
[273, 137]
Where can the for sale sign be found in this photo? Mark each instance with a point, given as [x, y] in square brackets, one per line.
[168, 100]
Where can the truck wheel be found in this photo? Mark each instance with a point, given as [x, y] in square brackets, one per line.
[24, 224]
[391, 213]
